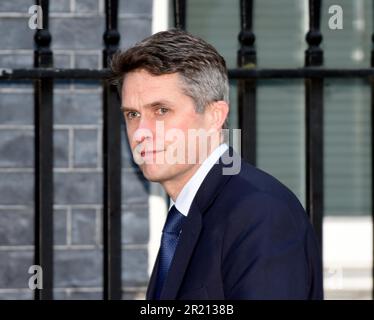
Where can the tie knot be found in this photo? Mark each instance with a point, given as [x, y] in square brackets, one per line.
[174, 221]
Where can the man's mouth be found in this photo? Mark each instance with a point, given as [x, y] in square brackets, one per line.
[148, 153]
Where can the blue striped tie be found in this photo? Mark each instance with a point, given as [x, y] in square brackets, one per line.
[169, 241]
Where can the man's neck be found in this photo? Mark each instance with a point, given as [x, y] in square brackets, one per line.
[174, 186]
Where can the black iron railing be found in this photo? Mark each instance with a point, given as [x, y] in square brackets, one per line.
[43, 75]
[43, 117]
[112, 165]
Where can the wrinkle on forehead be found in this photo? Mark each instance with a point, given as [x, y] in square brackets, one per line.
[141, 88]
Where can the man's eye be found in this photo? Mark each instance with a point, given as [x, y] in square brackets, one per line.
[132, 114]
[162, 111]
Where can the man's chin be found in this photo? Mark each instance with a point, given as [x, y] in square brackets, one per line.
[154, 174]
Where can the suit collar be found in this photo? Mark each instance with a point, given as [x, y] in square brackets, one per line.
[188, 192]
[208, 191]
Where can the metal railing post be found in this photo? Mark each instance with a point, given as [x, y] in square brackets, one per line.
[247, 87]
[314, 122]
[111, 166]
[43, 118]
[180, 12]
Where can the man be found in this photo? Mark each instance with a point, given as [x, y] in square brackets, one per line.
[242, 235]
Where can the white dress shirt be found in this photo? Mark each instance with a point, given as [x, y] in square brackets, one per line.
[186, 196]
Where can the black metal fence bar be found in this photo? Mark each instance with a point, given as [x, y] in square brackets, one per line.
[247, 87]
[180, 8]
[55, 73]
[372, 152]
[43, 118]
[314, 122]
[299, 73]
[111, 166]
[237, 73]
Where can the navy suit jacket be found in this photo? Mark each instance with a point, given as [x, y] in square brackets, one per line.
[246, 236]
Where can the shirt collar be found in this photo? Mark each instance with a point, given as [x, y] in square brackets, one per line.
[186, 196]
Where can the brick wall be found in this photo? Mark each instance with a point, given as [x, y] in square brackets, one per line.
[76, 27]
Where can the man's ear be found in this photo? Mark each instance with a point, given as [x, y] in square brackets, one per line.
[217, 113]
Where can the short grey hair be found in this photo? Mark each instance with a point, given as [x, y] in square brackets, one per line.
[201, 68]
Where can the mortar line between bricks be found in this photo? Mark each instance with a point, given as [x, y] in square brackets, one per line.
[55, 170]
[69, 226]
[68, 293]
[100, 62]
[71, 87]
[133, 288]
[79, 289]
[14, 290]
[14, 207]
[128, 246]
[86, 51]
[83, 289]
[55, 51]
[16, 127]
[16, 51]
[17, 170]
[83, 15]
[77, 170]
[98, 208]
[78, 51]
[131, 16]
[76, 126]
[77, 206]
[17, 90]
[135, 206]
[98, 226]
[71, 148]
[101, 6]
[75, 247]
[19, 50]
[5, 211]
[75, 90]
[72, 64]
[17, 248]
[99, 147]
[72, 5]
[10, 15]
[84, 90]
[61, 289]
[72, 59]
[55, 127]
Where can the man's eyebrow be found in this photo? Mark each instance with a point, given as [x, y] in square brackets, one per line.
[158, 103]
[124, 108]
[148, 105]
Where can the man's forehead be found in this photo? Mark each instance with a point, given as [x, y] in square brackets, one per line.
[149, 88]
[140, 74]
[155, 103]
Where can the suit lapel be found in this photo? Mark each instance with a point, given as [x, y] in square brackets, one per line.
[209, 189]
[152, 281]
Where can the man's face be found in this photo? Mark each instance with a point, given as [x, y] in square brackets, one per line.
[150, 101]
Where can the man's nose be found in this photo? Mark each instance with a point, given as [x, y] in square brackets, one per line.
[144, 131]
